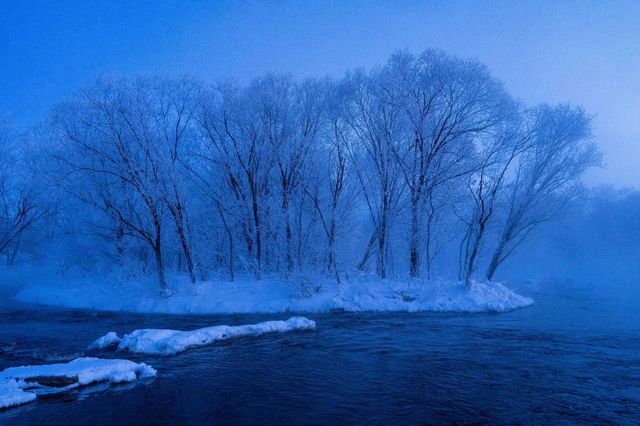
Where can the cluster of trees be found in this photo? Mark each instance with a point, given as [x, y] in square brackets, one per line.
[23, 207]
[381, 170]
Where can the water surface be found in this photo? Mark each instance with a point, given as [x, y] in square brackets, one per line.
[566, 359]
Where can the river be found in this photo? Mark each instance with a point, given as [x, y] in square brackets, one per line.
[566, 359]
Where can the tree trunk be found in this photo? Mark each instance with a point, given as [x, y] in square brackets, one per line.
[381, 268]
[300, 241]
[232, 276]
[187, 252]
[382, 239]
[177, 212]
[258, 253]
[231, 245]
[120, 249]
[368, 251]
[496, 259]
[157, 250]
[331, 255]
[473, 255]
[11, 259]
[414, 255]
[428, 249]
[288, 235]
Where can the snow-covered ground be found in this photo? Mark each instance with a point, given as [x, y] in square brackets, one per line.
[19, 385]
[274, 295]
[171, 342]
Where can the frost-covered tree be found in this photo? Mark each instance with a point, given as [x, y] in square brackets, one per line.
[290, 116]
[21, 203]
[377, 126]
[282, 176]
[329, 183]
[173, 105]
[444, 102]
[497, 153]
[237, 143]
[548, 175]
[122, 138]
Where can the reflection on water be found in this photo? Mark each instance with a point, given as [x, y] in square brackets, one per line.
[566, 359]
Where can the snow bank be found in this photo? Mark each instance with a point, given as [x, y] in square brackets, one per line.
[273, 295]
[171, 342]
[19, 385]
[438, 296]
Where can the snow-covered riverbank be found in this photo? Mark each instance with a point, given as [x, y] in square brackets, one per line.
[273, 295]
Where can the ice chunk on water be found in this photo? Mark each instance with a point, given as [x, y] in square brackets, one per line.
[170, 342]
[18, 383]
[12, 394]
[109, 339]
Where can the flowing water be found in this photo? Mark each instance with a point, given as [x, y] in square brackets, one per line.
[566, 359]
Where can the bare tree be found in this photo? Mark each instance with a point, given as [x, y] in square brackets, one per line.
[497, 153]
[237, 144]
[329, 183]
[206, 180]
[548, 175]
[377, 127]
[109, 131]
[290, 116]
[20, 205]
[445, 101]
[173, 106]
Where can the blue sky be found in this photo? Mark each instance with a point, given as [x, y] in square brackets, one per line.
[581, 52]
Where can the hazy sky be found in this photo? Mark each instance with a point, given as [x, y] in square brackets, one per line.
[581, 52]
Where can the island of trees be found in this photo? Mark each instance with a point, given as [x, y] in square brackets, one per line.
[382, 170]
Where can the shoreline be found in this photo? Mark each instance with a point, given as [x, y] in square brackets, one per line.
[274, 295]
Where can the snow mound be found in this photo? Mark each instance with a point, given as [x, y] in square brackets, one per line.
[109, 339]
[436, 296]
[19, 385]
[360, 292]
[171, 342]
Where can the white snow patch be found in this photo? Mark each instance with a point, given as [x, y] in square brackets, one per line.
[275, 295]
[15, 387]
[109, 339]
[171, 342]
[12, 394]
